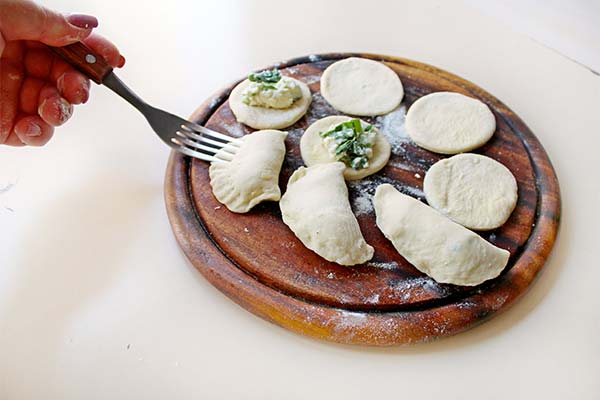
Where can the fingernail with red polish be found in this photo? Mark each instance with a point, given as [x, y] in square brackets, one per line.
[82, 21]
[121, 61]
[33, 130]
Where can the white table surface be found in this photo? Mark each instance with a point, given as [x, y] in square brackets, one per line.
[98, 302]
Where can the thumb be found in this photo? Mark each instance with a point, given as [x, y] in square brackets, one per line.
[26, 20]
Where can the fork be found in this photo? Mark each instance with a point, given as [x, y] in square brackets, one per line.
[181, 135]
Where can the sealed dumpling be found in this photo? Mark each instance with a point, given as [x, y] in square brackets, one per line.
[435, 245]
[251, 175]
[316, 208]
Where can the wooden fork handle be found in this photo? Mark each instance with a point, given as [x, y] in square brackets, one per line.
[84, 59]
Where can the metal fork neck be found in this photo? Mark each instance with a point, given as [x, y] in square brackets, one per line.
[113, 82]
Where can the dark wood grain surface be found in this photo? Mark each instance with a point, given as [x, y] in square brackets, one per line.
[258, 262]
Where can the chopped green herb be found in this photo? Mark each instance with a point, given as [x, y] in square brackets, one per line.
[352, 142]
[272, 76]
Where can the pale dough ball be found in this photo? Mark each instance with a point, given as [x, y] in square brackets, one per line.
[358, 86]
[449, 123]
[314, 152]
[268, 118]
[472, 190]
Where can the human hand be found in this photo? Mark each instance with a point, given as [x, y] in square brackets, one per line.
[37, 88]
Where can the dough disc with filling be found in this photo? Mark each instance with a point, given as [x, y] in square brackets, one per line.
[449, 123]
[313, 150]
[472, 190]
[268, 118]
[358, 86]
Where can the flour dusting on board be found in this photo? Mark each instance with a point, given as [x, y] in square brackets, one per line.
[308, 79]
[407, 287]
[392, 125]
[384, 265]
[363, 190]
[372, 299]
[348, 320]
[319, 108]
[294, 135]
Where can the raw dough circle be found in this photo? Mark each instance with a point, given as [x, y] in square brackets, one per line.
[268, 118]
[358, 86]
[313, 151]
[449, 123]
[472, 190]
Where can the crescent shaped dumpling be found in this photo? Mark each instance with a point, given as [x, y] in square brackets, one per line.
[252, 174]
[316, 208]
[314, 151]
[432, 243]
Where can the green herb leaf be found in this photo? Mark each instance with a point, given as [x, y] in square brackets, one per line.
[352, 142]
[272, 76]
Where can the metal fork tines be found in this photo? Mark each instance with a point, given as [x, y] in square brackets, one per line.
[184, 136]
[204, 144]
[181, 135]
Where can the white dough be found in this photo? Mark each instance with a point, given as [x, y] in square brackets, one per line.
[268, 118]
[316, 208]
[472, 190]
[314, 151]
[252, 174]
[436, 246]
[358, 86]
[449, 123]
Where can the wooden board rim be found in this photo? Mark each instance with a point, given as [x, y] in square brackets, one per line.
[365, 328]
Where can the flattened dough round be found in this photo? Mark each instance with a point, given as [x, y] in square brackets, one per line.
[472, 190]
[449, 123]
[268, 118]
[358, 86]
[313, 150]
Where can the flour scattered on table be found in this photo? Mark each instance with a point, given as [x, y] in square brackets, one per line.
[5, 188]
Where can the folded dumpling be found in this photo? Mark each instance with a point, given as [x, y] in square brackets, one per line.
[434, 244]
[251, 175]
[316, 208]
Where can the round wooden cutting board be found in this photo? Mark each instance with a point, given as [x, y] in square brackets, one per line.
[257, 261]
